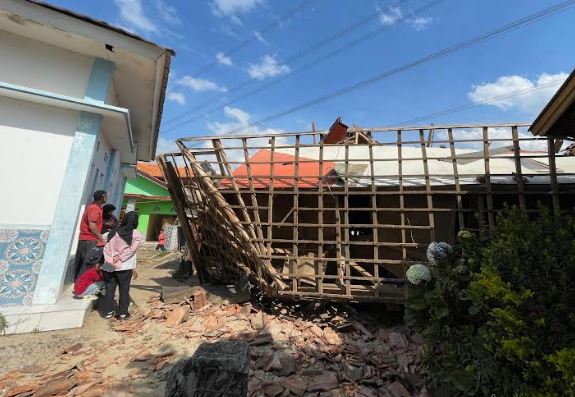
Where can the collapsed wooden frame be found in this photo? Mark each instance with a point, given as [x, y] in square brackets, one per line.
[344, 220]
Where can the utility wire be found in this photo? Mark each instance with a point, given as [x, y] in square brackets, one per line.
[325, 41]
[252, 38]
[487, 101]
[535, 17]
[304, 67]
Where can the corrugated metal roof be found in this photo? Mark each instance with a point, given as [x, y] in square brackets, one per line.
[439, 163]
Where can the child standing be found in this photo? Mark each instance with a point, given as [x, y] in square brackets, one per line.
[89, 283]
[161, 241]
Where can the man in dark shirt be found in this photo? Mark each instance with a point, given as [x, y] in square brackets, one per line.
[90, 230]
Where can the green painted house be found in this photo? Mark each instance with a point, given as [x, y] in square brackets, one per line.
[148, 195]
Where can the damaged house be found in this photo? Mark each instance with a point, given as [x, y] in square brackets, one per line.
[342, 214]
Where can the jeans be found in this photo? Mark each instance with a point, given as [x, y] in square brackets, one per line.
[112, 280]
[93, 288]
[84, 246]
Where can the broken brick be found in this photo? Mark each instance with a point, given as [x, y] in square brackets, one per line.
[324, 382]
[331, 337]
[54, 387]
[200, 299]
[295, 384]
[177, 316]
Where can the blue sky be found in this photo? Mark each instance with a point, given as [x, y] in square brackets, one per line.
[528, 63]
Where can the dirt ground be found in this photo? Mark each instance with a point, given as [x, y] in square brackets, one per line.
[302, 350]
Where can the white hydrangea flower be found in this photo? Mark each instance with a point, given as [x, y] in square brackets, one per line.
[418, 273]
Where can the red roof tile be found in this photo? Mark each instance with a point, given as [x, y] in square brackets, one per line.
[153, 169]
[283, 171]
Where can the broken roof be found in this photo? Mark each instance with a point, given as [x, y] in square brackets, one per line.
[558, 117]
[153, 170]
[439, 164]
[283, 170]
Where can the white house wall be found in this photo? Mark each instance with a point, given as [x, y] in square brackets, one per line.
[34, 162]
[47, 153]
[44, 67]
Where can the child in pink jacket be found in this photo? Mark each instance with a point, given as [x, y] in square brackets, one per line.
[119, 265]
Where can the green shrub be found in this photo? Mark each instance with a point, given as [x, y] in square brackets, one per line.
[498, 317]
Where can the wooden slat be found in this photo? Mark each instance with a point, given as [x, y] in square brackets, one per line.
[518, 171]
[320, 202]
[295, 229]
[489, 196]
[553, 175]
[401, 203]
[270, 206]
[346, 220]
[374, 220]
[456, 181]
[429, 197]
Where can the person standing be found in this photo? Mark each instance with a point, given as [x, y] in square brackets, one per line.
[110, 222]
[161, 241]
[90, 230]
[120, 255]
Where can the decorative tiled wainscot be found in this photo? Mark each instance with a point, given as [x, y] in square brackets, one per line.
[21, 253]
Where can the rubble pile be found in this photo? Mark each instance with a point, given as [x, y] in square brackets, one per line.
[88, 372]
[333, 352]
[296, 349]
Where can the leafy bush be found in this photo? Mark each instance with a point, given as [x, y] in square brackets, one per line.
[498, 316]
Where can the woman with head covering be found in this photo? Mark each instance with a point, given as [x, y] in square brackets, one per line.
[120, 262]
[109, 220]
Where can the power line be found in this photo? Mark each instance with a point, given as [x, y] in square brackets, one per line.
[300, 69]
[488, 101]
[249, 40]
[341, 33]
[439, 54]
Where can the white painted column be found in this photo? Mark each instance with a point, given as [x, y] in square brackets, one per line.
[55, 261]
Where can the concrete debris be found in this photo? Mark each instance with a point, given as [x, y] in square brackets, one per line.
[295, 349]
[219, 368]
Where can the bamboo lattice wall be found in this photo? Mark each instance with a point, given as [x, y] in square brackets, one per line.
[344, 220]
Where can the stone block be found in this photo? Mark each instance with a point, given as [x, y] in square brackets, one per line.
[217, 369]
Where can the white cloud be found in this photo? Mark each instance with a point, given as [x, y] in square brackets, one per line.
[493, 133]
[390, 17]
[200, 85]
[420, 23]
[527, 96]
[166, 145]
[133, 16]
[177, 97]
[259, 37]
[223, 59]
[268, 67]
[394, 15]
[238, 122]
[232, 8]
[168, 13]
